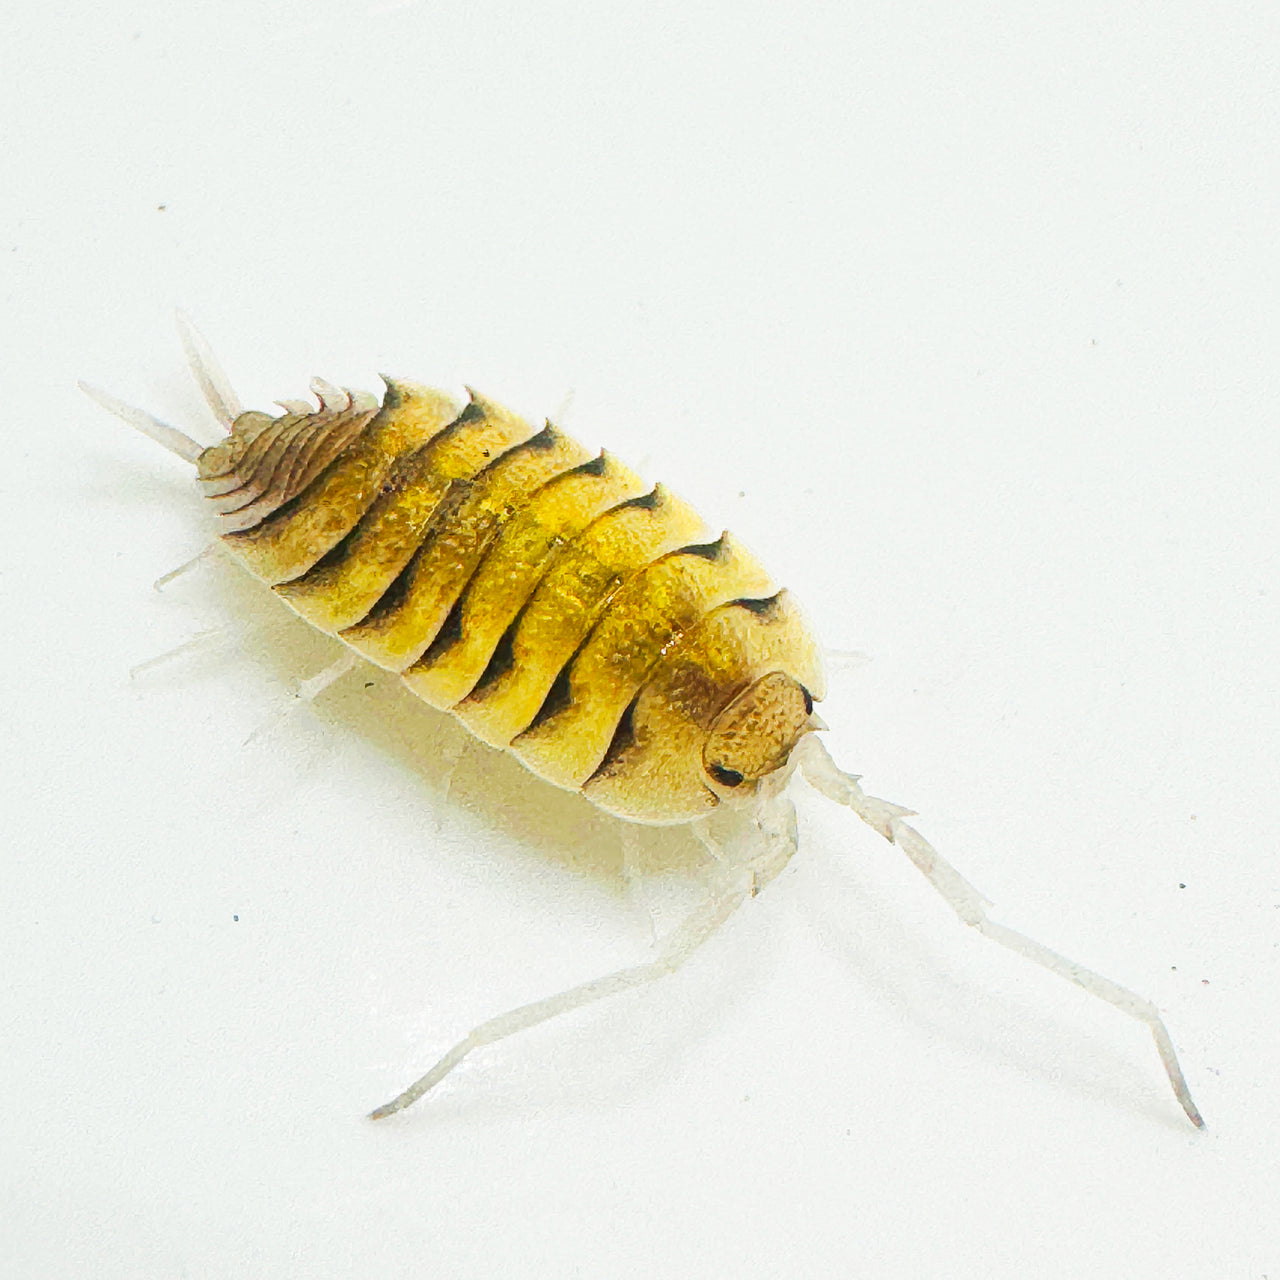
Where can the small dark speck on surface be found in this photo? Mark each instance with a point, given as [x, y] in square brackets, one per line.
[1181, 885]
[160, 208]
[368, 684]
[235, 918]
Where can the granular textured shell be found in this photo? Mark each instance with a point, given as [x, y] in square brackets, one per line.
[541, 594]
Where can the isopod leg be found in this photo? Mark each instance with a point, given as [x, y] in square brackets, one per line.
[462, 746]
[632, 876]
[197, 641]
[678, 946]
[186, 566]
[307, 691]
[823, 774]
[839, 662]
[213, 381]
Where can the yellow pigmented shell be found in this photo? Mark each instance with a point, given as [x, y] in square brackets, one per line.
[554, 606]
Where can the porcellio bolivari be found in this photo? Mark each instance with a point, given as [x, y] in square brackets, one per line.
[565, 611]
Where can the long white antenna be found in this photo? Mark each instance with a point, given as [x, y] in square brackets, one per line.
[825, 776]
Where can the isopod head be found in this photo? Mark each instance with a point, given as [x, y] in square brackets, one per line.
[756, 733]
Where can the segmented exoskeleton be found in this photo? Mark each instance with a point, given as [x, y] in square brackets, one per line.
[563, 611]
[555, 605]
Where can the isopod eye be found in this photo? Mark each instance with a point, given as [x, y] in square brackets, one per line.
[725, 777]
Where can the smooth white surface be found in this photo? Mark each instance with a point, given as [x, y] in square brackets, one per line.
[966, 318]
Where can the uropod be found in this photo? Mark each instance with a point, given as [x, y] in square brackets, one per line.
[566, 612]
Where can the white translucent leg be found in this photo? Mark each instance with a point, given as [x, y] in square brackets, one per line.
[312, 687]
[708, 841]
[463, 745]
[561, 415]
[823, 774]
[729, 891]
[214, 383]
[198, 641]
[161, 432]
[775, 821]
[633, 877]
[307, 691]
[840, 661]
[186, 566]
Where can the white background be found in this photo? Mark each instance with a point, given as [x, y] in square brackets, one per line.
[965, 317]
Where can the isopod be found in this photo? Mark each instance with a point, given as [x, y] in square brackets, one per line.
[564, 611]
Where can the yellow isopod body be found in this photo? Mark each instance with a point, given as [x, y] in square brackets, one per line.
[561, 611]
[617, 610]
